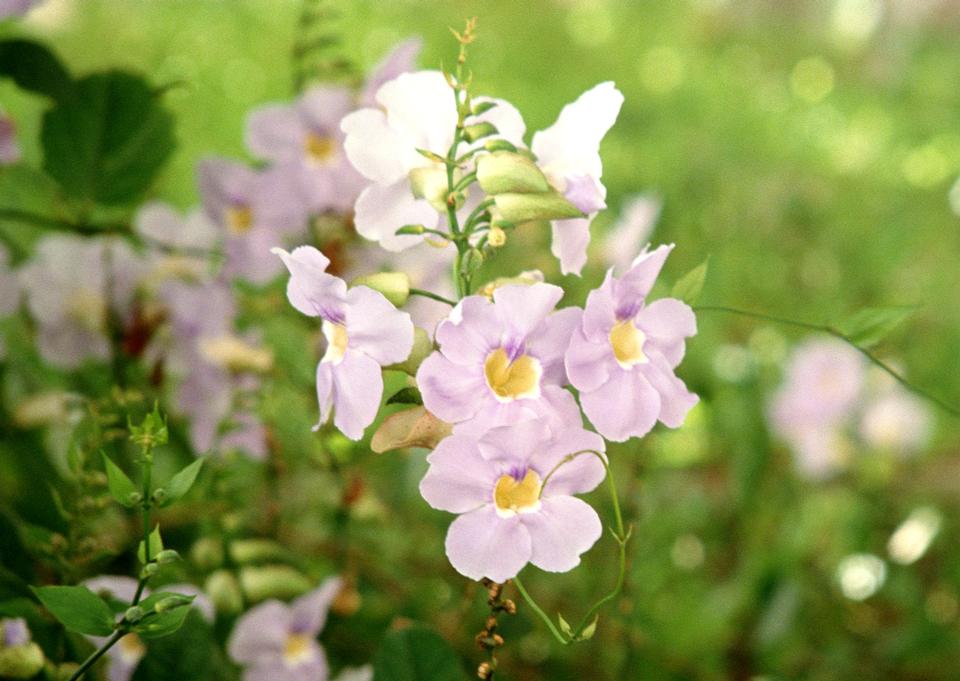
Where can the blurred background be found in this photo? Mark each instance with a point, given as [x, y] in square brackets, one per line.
[807, 148]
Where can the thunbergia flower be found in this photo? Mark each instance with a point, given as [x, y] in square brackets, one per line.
[255, 210]
[501, 360]
[9, 148]
[415, 111]
[513, 492]
[568, 152]
[631, 231]
[363, 330]
[623, 354]
[813, 409]
[402, 59]
[73, 286]
[278, 642]
[123, 658]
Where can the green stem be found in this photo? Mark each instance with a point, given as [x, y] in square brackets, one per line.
[97, 654]
[432, 296]
[836, 333]
[539, 611]
[476, 214]
[146, 505]
[465, 181]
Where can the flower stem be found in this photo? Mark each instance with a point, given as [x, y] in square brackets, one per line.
[836, 333]
[96, 655]
[433, 296]
[145, 505]
[539, 611]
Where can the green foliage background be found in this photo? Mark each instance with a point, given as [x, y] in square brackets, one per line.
[812, 199]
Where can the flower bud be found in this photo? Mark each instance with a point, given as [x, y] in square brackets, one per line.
[519, 208]
[273, 581]
[149, 570]
[224, 591]
[159, 495]
[504, 172]
[395, 286]
[498, 145]
[496, 237]
[414, 427]
[171, 602]
[167, 556]
[477, 131]
[430, 183]
[133, 614]
[236, 355]
[526, 278]
[422, 346]
[411, 229]
[247, 551]
[207, 553]
[21, 662]
[134, 498]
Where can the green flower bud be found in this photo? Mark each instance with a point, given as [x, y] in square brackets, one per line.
[273, 581]
[207, 553]
[133, 614]
[21, 662]
[496, 237]
[411, 229]
[422, 346]
[395, 286]
[519, 208]
[149, 570]
[171, 602]
[477, 131]
[224, 591]
[505, 172]
[430, 183]
[482, 107]
[498, 145]
[159, 495]
[134, 498]
[247, 551]
[167, 556]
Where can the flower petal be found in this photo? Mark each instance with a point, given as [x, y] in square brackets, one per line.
[451, 392]
[309, 612]
[522, 308]
[549, 342]
[376, 328]
[421, 105]
[324, 392]
[623, 407]
[357, 389]
[310, 289]
[578, 475]
[569, 243]
[402, 59]
[588, 364]
[481, 544]
[560, 531]
[470, 332]
[275, 133]
[379, 152]
[675, 399]
[382, 209]
[667, 322]
[261, 632]
[635, 284]
[459, 479]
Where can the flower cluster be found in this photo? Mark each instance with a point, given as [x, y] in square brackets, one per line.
[831, 406]
[445, 167]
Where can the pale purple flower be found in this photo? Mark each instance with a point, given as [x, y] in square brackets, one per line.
[161, 225]
[9, 148]
[402, 59]
[499, 361]
[16, 8]
[623, 354]
[568, 152]
[15, 632]
[278, 642]
[414, 111]
[255, 209]
[73, 286]
[364, 332]
[813, 409]
[631, 231]
[305, 138]
[123, 658]
[515, 498]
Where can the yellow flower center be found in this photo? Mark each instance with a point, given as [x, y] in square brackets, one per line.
[512, 380]
[131, 648]
[297, 649]
[89, 309]
[627, 343]
[239, 219]
[517, 496]
[336, 335]
[319, 148]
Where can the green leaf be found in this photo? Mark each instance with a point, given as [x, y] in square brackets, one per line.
[406, 396]
[415, 654]
[108, 140]
[565, 626]
[689, 287]
[871, 325]
[156, 545]
[35, 68]
[165, 623]
[181, 483]
[77, 608]
[121, 487]
[590, 629]
[190, 654]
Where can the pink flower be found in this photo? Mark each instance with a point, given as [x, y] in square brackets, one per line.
[364, 332]
[515, 499]
[499, 362]
[278, 642]
[623, 354]
[568, 152]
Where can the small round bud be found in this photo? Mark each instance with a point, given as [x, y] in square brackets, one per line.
[496, 237]
[134, 614]
[134, 498]
[167, 556]
[171, 602]
[497, 639]
[509, 607]
[485, 670]
[149, 570]
[159, 495]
